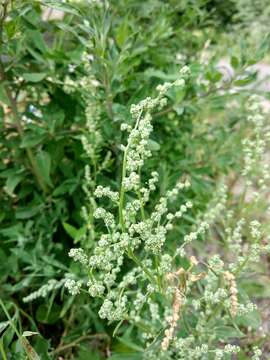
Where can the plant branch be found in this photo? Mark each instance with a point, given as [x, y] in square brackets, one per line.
[77, 341]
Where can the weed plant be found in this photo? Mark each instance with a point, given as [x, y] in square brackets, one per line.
[132, 228]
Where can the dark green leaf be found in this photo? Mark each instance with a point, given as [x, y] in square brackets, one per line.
[43, 159]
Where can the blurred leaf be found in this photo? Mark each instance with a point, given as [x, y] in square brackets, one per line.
[235, 62]
[75, 234]
[153, 145]
[30, 351]
[43, 159]
[31, 139]
[251, 319]
[28, 211]
[227, 332]
[3, 95]
[35, 38]
[126, 356]
[48, 315]
[34, 77]
[3, 325]
[29, 333]
[12, 182]
[122, 33]
[67, 8]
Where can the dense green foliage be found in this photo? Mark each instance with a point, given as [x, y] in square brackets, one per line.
[67, 85]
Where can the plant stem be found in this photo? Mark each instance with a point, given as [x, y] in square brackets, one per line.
[77, 341]
[17, 119]
[124, 172]
[29, 350]
[2, 351]
[140, 264]
[9, 319]
[13, 104]
[122, 192]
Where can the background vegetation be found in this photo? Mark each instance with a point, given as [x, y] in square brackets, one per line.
[64, 64]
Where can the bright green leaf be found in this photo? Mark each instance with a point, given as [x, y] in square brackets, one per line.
[34, 77]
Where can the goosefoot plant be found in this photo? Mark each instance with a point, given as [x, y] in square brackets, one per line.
[179, 302]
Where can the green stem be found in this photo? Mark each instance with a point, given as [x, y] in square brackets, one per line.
[16, 116]
[122, 193]
[29, 350]
[140, 264]
[2, 351]
[141, 204]
[9, 319]
[158, 274]
[123, 176]
[80, 339]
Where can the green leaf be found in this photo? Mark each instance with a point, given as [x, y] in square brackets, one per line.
[126, 356]
[153, 145]
[227, 332]
[75, 234]
[68, 186]
[67, 8]
[84, 355]
[10, 27]
[37, 39]
[30, 140]
[28, 212]
[29, 333]
[71, 230]
[252, 319]
[3, 95]
[42, 347]
[48, 315]
[161, 75]
[122, 33]
[245, 81]
[3, 325]
[127, 345]
[34, 77]
[12, 182]
[43, 159]
[234, 62]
